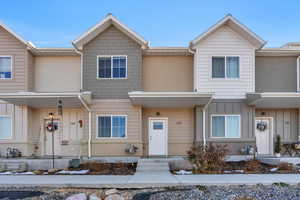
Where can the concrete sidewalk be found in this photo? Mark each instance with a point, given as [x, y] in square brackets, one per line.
[143, 180]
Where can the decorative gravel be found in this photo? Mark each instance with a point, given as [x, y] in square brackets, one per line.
[278, 191]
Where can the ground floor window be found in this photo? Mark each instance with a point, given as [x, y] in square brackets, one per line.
[111, 126]
[226, 126]
[5, 127]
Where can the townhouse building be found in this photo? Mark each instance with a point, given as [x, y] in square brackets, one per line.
[116, 91]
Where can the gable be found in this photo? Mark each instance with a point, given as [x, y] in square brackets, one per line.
[8, 40]
[225, 37]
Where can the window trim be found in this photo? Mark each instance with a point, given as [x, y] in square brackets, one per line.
[225, 115]
[11, 129]
[225, 58]
[11, 66]
[111, 66]
[108, 115]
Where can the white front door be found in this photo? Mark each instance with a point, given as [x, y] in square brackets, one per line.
[264, 135]
[158, 134]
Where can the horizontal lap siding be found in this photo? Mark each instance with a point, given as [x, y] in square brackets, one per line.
[112, 42]
[9, 45]
[180, 129]
[222, 42]
[285, 122]
[115, 147]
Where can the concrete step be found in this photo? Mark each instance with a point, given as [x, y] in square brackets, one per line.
[153, 165]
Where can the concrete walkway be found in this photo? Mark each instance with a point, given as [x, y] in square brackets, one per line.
[143, 180]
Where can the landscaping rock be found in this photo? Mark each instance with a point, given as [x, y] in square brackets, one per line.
[114, 197]
[53, 171]
[38, 172]
[111, 191]
[80, 196]
[94, 197]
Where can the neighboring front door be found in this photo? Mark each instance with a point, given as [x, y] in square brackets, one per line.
[48, 139]
[158, 134]
[264, 135]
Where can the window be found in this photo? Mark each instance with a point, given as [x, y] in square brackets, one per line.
[5, 67]
[225, 126]
[225, 67]
[112, 67]
[112, 126]
[5, 127]
[158, 125]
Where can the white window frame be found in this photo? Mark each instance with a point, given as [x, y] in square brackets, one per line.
[11, 128]
[111, 66]
[225, 57]
[225, 115]
[11, 66]
[111, 137]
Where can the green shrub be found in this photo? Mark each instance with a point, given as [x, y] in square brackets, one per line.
[277, 148]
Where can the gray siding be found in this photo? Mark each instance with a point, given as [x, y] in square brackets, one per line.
[112, 42]
[276, 74]
[285, 122]
[228, 107]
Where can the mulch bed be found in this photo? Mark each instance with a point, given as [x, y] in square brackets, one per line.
[98, 168]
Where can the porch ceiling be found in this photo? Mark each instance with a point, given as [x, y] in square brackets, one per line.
[169, 99]
[274, 100]
[46, 100]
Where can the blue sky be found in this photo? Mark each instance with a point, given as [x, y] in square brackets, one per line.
[55, 23]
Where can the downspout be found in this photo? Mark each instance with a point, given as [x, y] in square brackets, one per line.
[203, 121]
[298, 76]
[90, 124]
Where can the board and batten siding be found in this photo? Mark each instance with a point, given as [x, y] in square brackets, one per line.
[19, 140]
[285, 122]
[225, 42]
[112, 42]
[114, 146]
[10, 46]
[276, 74]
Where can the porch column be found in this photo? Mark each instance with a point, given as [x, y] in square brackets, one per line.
[298, 125]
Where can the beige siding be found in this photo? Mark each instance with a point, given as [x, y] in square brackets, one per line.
[114, 147]
[9, 45]
[285, 122]
[225, 42]
[168, 73]
[30, 71]
[57, 73]
[180, 129]
[19, 116]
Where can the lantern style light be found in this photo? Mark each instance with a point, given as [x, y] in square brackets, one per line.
[60, 108]
[51, 116]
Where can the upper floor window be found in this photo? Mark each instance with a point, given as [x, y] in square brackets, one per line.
[225, 67]
[5, 127]
[112, 67]
[5, 67]
[112, 126]
[226, 126]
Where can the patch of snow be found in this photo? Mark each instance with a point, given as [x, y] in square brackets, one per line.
[80, 172]
[183, 172]
[274, 169]
[25, 173]
[6, 173]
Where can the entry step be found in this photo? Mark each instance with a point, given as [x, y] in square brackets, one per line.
[153, 165]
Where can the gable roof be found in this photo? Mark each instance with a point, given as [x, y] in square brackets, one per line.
[102, 26]
[235, 25]
[18, 37]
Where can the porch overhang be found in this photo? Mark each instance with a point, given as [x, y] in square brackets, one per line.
[47, 100]
[274, 100]
[169, 99]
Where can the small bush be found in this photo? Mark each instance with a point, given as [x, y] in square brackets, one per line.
[281, 184]
[285, 166]
[277, 148]
[207, 158]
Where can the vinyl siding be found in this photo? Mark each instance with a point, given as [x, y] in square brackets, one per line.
[180, 129]
[225, 42]
[168, 73]
[285, 122]
[113, 146]
[276, 74]
[30, 71]
[9, 45]
[19, 116]
[112, 42]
